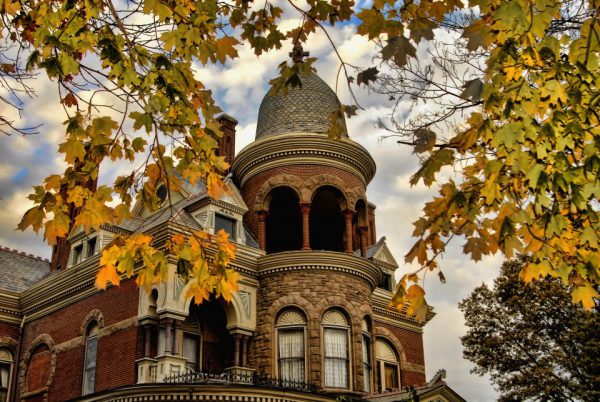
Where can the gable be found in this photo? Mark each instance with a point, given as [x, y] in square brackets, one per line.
[385, 255]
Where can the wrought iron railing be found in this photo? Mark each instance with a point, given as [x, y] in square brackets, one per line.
[257, 379]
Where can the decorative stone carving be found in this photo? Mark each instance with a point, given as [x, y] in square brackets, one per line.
[262, 199]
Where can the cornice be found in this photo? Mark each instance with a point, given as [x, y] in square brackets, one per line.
[320, 260]
[303, 148]
[202, 392]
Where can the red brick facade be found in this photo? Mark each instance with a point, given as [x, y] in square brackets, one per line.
[117, 351]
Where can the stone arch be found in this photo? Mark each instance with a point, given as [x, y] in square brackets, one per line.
[342, 303]
[42, 339]
[148, 302]
[387, 335]
[262, 200]
[94, 315]
[289, 301]
[326, 179]
[10, 344]
[234, 309]
[356, 194]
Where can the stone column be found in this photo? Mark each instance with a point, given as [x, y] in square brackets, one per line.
[245, 340]
[262, 230]
[168, 335]
[147, 340]
[236, 355]
[348, 214]
[363, 230]
[176, 328]
[305, 210]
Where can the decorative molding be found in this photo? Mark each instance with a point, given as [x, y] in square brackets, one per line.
[319, 260]
[303, 148]
[203, 392]
[291, 316]
[245, 298]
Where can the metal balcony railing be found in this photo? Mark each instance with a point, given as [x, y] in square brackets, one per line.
[256, 379]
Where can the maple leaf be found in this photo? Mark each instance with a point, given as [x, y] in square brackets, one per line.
[225, 48]
[400, 48]
[366, 76]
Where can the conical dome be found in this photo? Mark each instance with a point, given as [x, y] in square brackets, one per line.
[304, 109]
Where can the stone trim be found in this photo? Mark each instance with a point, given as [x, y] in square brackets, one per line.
[387, 335]
[10, 344]
[304, 148]
[37, 341]
[93, 315]
[320, 260]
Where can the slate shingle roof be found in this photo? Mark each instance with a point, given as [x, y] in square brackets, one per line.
[305, 109]
[19, 271]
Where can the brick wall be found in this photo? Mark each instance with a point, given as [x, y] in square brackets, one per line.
[39, 368]
[9, 330]
[117, 351]
[412, 346]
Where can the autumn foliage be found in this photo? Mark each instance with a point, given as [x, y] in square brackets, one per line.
[527, 158]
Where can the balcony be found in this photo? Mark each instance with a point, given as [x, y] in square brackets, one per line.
[235, 377]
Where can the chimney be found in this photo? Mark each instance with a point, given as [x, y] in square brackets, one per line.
[62, 249]
[227, 141]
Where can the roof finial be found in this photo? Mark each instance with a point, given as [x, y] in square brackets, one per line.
[298, 54]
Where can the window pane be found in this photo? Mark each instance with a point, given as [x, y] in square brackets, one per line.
[191, 350]
[391, 377]
[89, 375]
[91, 249]
[227, 224]
[291, 354]
[4, 375]
[336, 357]
[366, 352]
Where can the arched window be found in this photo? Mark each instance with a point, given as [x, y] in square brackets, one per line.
[327, 225]
[6, 363]
[388, 367]
[284, 222]
[39, 368]
[336, 333]
[366, 355]
[291, 351]
[91, 351]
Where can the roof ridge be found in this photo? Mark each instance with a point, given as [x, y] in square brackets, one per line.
[24, 254]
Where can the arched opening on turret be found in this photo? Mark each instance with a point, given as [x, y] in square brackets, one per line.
[284, 222]
[326, 220]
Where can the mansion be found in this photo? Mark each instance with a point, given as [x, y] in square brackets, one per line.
[310, 321]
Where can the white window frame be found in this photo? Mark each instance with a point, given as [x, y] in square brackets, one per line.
[348, 359]
[11, 366]
[297, 326]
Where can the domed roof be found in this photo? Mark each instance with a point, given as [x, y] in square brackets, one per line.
[304, 109]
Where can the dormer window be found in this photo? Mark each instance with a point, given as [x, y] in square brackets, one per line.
[78, 254]
[225, 223]
[84, 249]
[91, 247]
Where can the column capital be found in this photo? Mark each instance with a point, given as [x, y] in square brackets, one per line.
[262, 214]
[348, 212]
[305, 207]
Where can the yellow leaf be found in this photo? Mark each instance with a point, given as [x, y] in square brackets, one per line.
[107, 274]
[585, 294]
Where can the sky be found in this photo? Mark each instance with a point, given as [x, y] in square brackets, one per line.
[239, 87]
